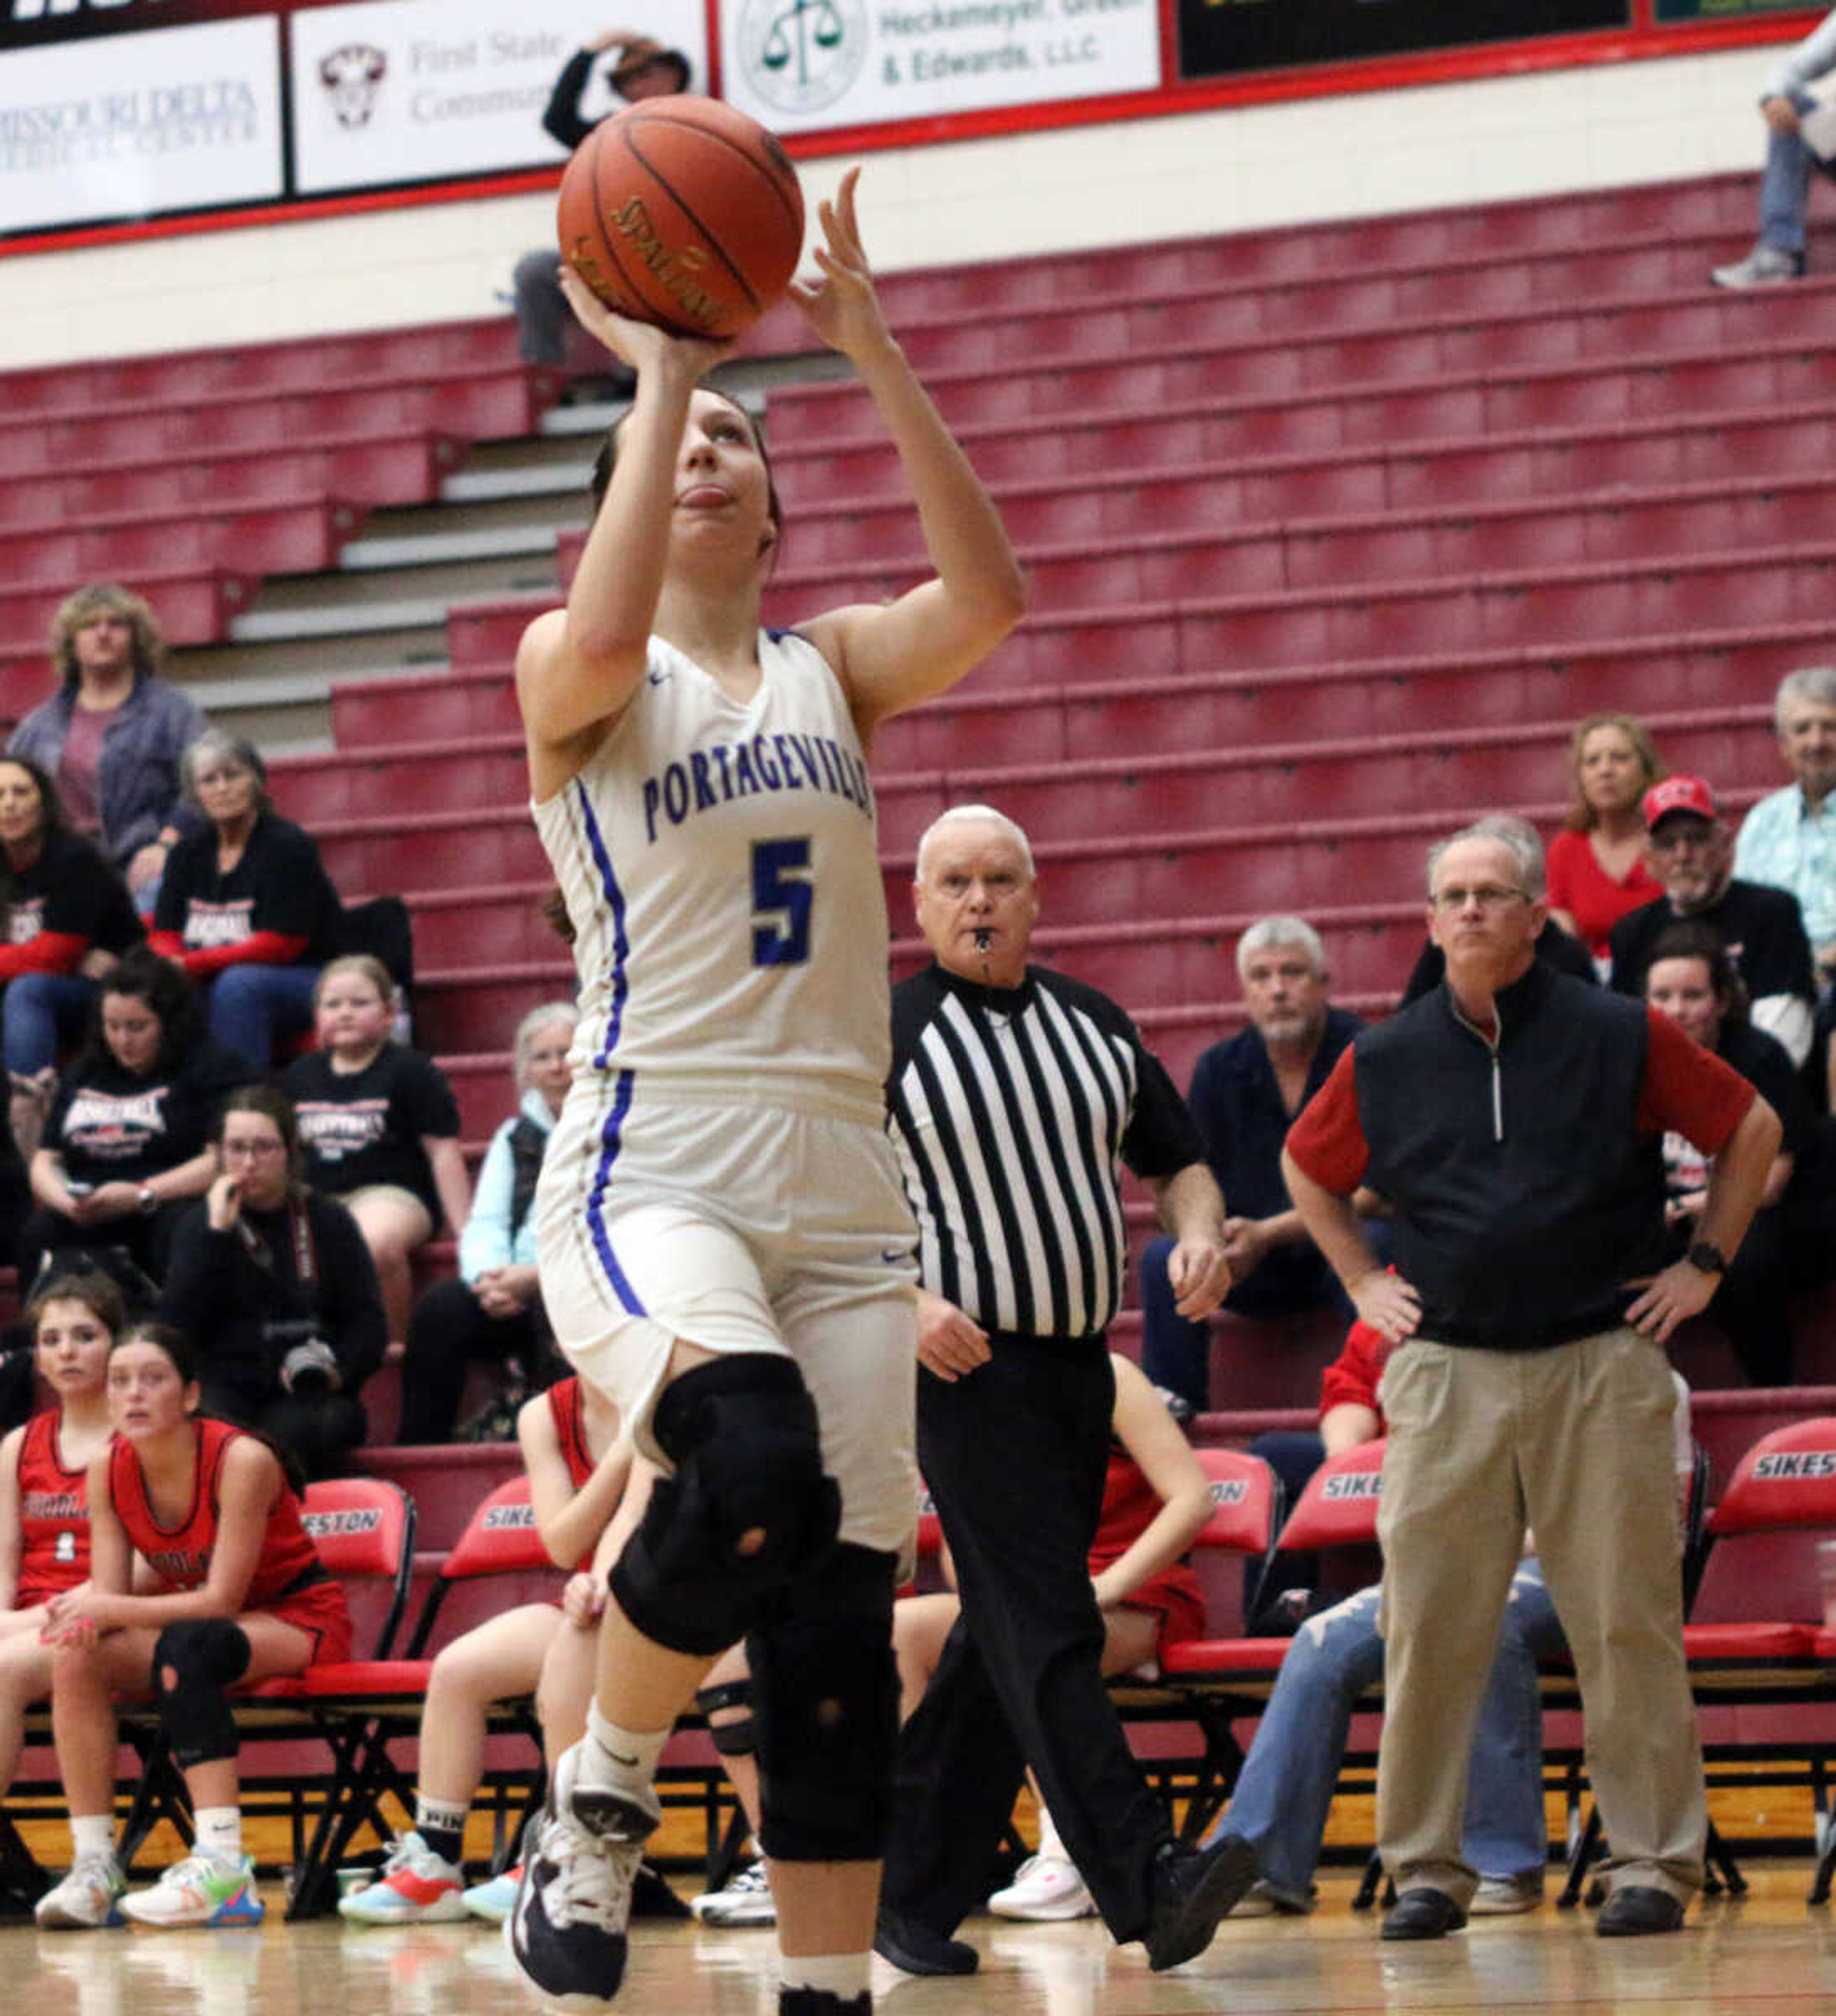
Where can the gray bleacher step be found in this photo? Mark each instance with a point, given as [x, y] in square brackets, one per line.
[250, 665]
[432, 548]
[341, 619]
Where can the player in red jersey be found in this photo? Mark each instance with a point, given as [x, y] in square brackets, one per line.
[241, 1595]
[578, 1467]
[44, 1521]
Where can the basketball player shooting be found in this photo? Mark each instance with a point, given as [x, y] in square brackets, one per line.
[725, 1250]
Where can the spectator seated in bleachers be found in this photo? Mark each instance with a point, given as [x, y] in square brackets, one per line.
[579, 1467]
[379, 1126]
[1555, 946]
[1692, 978]
[493, 1309]
[1596, 865]
[1785, 187]
[1692, 855]
[1283, 1793]
[1788, 840]
[245, 907]
[645, 69]
[113, 733]
[43, 1525]
[239, 1594]
[68, 918]
[1245, 1091]
[1156, 1501]
[277, 1281]
[127, 1144]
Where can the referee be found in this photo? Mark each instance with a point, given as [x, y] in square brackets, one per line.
[1016, 1095]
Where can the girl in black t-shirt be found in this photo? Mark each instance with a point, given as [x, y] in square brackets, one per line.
[379, 1124]
[127, 1144]
[66, 915]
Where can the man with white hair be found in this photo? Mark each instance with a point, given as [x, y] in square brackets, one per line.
[1788, 840]
[1246, 1090]
[1015, 1096]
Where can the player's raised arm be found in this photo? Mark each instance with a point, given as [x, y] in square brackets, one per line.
[890, 658]
[577, 666]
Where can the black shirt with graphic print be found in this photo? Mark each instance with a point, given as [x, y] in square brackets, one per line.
[364, 1127]
[72, 889]
[109, 1124]
[280, 884]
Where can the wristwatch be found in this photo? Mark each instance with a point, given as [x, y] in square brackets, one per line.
[1707, 1258]
[148, 1201]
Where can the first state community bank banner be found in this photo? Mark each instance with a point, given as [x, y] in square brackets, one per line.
[114, 110]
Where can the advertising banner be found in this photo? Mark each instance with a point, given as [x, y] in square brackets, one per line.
[398, 90]
[1219, 37]
[1726, 10]
[133, 125]
[801, 66]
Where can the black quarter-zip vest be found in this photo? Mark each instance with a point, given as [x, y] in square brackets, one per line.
[1525, 1198]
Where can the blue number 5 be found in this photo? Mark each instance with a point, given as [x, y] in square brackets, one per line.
[782, 894]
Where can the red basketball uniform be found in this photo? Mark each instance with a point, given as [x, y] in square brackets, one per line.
[568, 1409]
[1130, 1506]
[53, 1518]
[289, 1580]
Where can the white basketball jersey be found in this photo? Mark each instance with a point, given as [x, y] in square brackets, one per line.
[719, 865]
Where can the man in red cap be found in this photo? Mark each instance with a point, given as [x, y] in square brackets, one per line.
[1691, 852]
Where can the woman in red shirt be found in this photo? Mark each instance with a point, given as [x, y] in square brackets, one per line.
[44, 1518]
[1596, 864]
[241, 1595]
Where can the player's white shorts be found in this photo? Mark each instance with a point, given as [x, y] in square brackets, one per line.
[740, 1227]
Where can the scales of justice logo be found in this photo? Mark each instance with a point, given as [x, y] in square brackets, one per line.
[801, 56]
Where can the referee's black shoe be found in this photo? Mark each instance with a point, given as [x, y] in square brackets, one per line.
[918, 1949]
[1190, 1889]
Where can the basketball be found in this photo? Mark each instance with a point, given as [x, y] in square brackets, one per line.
[682, 212]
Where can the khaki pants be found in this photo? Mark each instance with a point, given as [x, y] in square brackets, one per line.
[1576, 1442]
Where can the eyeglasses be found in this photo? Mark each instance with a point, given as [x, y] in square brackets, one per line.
[1680, 839]
[254, 1148]
[1489, 896]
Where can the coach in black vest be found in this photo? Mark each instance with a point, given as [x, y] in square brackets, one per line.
[1513, 1119]
[1016, 1095]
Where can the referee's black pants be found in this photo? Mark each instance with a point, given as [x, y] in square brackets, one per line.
[1015, 1454]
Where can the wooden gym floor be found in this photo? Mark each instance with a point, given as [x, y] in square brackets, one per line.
[1768, 1953]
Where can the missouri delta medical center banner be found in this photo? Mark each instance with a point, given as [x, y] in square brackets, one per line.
[138, 124]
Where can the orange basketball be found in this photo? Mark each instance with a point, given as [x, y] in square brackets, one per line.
[683, 212]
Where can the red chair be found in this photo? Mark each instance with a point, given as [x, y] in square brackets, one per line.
[1209, 1681]
[1784, 1484]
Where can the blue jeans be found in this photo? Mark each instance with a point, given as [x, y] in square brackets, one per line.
[252, 1006]
[1785, 187]
[41, 1013]
[1285, 1789]
[1177, 1352]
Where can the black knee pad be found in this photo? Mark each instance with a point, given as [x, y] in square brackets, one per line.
[742, 1433]
[193, 1663]
[738, 1736]
[827, 1694]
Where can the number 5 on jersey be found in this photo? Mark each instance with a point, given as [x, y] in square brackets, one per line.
[782, 894]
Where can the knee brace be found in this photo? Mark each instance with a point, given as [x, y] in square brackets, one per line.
[193, 1663]
[739, 1737]
[827, 1691]
[747, 1508]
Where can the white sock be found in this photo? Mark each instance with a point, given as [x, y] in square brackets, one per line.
[92, 1833]
[618, 1760]
[220, 1833]
[1050, 1846]
[843, 1975]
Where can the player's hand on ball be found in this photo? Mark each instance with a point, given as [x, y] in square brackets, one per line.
[640, 345]
[842, 307]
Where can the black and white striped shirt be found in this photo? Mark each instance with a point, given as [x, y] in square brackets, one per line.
[1011, 1111]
